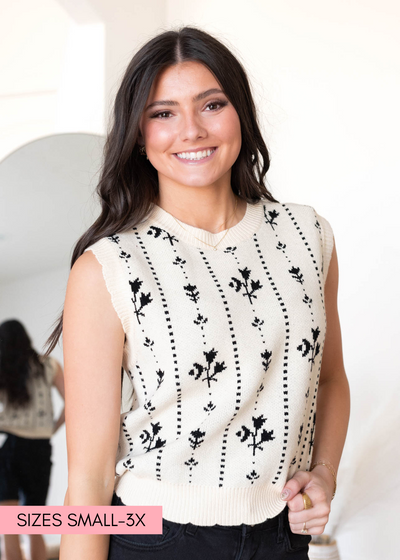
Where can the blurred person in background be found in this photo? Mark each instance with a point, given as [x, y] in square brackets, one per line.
[26, 426]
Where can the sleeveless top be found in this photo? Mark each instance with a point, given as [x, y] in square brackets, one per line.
[222, 357]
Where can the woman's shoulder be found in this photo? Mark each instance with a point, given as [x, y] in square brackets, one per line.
[297, 208]
[99, 266]
[111, 244]
[291, 208]
[302, 214]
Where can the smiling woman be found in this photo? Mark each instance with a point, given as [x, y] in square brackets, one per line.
[219, 304]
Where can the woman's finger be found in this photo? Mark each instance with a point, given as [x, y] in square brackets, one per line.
[311, 523]
[296, 504]
[315, 530]
[295, 484]
[321, 510]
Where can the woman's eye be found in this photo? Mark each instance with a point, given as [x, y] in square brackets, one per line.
[161, 115]
[215, 105]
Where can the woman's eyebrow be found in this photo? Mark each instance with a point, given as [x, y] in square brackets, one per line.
[197, 97]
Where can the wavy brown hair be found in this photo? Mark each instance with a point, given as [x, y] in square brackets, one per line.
[128, 184]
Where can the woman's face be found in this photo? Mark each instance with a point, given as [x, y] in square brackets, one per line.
[190, 129]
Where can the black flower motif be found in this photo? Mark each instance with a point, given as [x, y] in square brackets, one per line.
[295, 272]
[249, 286]
[150, 439]
[114, 238]
[196, 438]
[192, 292]
[252, 476]
[139, 301]
[209, 407]
[270, 217]
[258, 435]
[158, 232]
[312, 348]
[210, 370]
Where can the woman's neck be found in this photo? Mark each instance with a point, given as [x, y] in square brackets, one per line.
[212, 214]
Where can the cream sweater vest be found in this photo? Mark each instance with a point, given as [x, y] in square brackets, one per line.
[223, 353]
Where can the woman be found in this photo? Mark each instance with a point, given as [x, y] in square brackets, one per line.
[219, 303]
[26, 426]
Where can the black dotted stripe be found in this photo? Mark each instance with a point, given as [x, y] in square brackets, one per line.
[281, 246]
[173, 348]
[237, 368]
[179, 261]
[285, 362]
[253, 476]
[311, 419]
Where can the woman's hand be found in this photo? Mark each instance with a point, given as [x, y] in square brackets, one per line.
[319, 485]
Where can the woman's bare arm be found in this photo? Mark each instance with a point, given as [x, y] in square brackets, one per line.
[93, 340]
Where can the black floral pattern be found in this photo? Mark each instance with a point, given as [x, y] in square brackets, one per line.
[210, 370]
[297, 275]
[252, 476]
[311, 348]
[196, 438]
[150, 440]
[249, 286]
[139, 301]
[165, 235]
[256, 434]
[192, 292]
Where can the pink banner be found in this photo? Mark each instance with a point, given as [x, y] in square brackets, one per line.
[80, 520]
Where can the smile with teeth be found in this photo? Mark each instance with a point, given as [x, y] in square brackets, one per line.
[195, 155]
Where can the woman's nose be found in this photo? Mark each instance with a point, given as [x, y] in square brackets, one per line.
[192, 128]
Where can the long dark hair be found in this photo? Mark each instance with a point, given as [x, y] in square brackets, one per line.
[128, 182]
[19, 362]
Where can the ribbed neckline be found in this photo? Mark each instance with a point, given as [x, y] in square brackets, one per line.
[241, 231]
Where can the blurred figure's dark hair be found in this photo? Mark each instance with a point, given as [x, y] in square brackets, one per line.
[18, 363]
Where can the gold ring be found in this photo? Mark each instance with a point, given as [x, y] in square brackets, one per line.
[306, 500]
[304, 529]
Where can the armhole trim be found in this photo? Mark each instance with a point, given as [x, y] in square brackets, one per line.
[115, 280]
[328, 241]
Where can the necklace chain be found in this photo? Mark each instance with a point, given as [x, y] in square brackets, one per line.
[213, 246]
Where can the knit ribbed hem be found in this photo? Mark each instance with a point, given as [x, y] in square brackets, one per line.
[202, 505]
[115, 280]
[204, 239]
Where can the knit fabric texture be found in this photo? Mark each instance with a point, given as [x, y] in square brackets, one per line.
[36, 419]
[222, 358]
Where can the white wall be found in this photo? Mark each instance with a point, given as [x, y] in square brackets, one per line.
[327, 80]
[52, 71]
